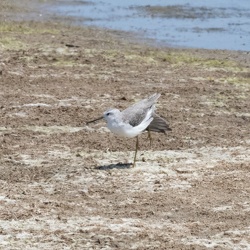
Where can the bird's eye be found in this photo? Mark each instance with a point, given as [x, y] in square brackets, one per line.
[108, 114]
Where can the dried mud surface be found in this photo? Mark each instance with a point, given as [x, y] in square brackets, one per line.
[66, 185]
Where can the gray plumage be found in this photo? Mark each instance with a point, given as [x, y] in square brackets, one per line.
[136, 113]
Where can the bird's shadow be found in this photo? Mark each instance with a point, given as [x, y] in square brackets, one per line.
[112, 166]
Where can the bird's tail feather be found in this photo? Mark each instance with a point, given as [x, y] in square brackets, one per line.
[158, 125]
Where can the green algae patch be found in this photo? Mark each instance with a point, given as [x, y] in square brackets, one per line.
[174, 57]
[188, 58]
[239, 81]
[11, 43]
[139, 58]
[14, 35]
[66, 63]
[24, 28]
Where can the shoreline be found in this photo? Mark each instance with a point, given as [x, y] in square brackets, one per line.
[11, 10]
[187, 26]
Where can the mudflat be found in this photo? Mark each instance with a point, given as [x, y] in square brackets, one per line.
[66, 185]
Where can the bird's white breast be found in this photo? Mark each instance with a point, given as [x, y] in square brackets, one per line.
[122, 129]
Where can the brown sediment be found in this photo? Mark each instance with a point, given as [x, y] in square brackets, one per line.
[61, 184]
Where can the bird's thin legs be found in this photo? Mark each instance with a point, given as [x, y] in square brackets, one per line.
[136, 149]
[150, 138]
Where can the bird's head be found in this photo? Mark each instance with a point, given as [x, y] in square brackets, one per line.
[109, 116]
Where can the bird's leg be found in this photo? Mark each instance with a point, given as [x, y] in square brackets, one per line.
[150, 138]
[136, 149]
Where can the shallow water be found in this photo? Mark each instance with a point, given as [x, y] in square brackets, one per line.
[209, 24]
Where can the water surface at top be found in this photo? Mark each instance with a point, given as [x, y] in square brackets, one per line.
[210, 24]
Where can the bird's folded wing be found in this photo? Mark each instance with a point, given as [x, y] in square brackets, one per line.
[135, 114]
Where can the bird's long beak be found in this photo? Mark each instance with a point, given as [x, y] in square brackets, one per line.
[97, 119]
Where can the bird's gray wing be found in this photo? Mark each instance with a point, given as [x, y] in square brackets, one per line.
[135, 114]
[135, 119]
[158, 124]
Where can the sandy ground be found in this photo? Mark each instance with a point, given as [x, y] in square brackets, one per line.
[66, 185]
